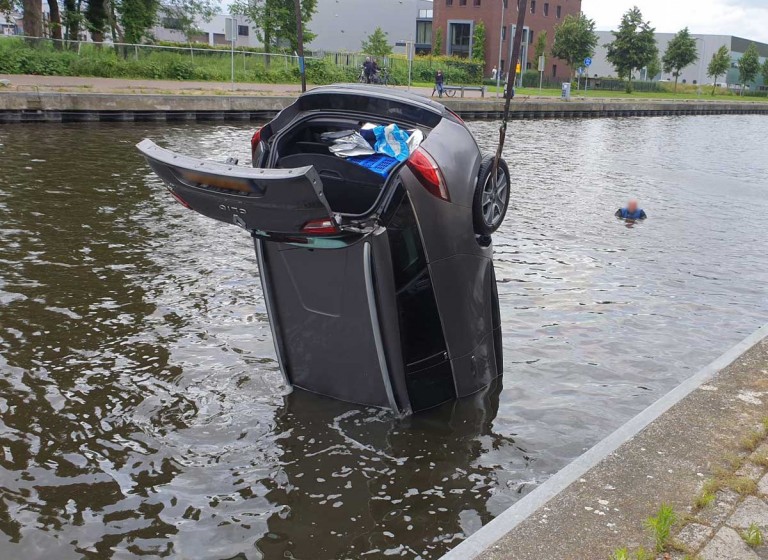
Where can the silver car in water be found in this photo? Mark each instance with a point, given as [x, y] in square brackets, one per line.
[380, 289]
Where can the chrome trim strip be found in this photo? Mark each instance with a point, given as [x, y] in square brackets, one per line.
[272, 316]
[367, 260]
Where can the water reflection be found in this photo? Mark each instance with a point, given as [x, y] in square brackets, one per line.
[379, 484]
[141, 407]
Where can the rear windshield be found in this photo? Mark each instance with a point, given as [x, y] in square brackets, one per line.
[390, 110]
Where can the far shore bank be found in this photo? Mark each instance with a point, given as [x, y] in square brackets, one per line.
[55, 99]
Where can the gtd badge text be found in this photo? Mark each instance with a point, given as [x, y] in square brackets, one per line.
[234, 209]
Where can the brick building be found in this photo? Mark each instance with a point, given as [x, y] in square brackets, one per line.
[457, 19]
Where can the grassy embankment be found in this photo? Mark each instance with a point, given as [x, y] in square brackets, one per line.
[203, 63]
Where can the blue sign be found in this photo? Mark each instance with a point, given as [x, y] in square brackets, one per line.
[580, 70]
[587, 62]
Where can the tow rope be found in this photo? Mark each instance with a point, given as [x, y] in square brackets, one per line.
[517, 47]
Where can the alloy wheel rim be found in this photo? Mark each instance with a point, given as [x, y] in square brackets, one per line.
[494, 199]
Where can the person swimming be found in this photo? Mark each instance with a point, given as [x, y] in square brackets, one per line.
[631, 212]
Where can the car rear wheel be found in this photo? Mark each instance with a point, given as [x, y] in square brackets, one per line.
[491, 200]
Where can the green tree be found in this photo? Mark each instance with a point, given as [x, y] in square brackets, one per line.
[719, 65]
[749, 66]
[765, 72]
[575, 40]
[136, 17]
[633, 47]
[540, 46]
[437, 41]
[275, 21]
[97, 19]
[681, 52]
[654, 68]
[478, 41]
[377, 44]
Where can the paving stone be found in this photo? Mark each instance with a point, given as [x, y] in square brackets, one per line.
[760, 454]
[762, 486]
[694, 535]
[727, 545]
[751, 510]
[750, 470]
[717, 512]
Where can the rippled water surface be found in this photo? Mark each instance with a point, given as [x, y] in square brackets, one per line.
[141, 408]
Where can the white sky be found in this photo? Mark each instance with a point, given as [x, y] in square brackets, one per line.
[743, 18]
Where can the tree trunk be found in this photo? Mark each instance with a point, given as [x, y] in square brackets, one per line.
[677, 77]
[71, 16]
[714, 87]
[267, 48]
[53, 6]
[33, 18]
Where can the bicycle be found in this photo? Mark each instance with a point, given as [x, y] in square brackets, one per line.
[386, 78]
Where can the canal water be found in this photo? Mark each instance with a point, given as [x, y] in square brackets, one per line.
[141, 408]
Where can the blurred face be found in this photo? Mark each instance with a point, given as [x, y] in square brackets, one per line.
[632, 205]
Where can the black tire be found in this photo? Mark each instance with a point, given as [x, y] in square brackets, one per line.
[489, 206]
[450, 92]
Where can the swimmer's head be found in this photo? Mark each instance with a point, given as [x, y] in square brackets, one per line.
[632, 205]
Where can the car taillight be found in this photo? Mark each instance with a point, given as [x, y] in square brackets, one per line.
[255, 139]
[424, 167]
[323, 226]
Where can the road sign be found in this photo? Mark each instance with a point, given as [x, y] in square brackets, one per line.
[542, 62]
[587, 62]
[230, 29]
[580, 70]
[517, 68]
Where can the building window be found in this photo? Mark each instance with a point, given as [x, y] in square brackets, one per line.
[559, 12]
[533, 6]
[530, 37]
[243, 30]
[459, 37]
[546, 9]
[506, 4]
[449, 2]
[477, 2]
[462, 2]
[504, 33]
[554, 70]
[424, 32]
[425, 14]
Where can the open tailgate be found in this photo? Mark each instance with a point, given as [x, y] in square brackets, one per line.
[273, 201]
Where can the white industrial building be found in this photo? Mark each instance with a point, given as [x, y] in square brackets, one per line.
[696, 73]
[339, 25]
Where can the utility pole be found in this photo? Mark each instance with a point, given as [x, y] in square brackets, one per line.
[300, 43]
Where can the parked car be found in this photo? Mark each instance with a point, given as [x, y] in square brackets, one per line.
[380, 286]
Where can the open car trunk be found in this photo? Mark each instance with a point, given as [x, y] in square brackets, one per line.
[350, 188]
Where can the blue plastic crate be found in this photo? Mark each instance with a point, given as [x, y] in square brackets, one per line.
[378, 163]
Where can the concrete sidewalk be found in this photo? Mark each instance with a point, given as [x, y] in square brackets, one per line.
[23, 82]
[699, 438]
